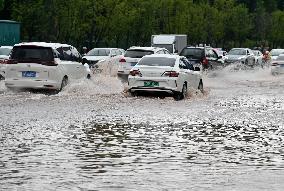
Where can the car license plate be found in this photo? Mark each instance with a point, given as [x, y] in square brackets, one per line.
[29, 74]
[151, 84]
[133, 63]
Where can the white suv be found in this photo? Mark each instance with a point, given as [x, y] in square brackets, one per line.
[42, 65]
[133, 55]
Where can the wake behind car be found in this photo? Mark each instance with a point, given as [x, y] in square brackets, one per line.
[164, 73]
[277, 66]
[241, 55]
[40, 65]
[4, 55]
[133, 55]
[101, 54]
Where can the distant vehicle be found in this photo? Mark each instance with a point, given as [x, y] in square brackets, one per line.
[275, 53]
[258, 56]
[164, 73]
[241, 55]
[203, 56]
[101, 54]
[4, 55]
[174, 43]
[133, 55]
[277, 66]
[40, 65]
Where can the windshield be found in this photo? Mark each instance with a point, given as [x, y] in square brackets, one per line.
[137, 53]
[157, 61]
[5, 51]
[98, 52]
[193, 53]
[237, 52]
[32, 53]
[277, 52]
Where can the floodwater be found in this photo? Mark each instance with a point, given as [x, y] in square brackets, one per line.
[94, 136]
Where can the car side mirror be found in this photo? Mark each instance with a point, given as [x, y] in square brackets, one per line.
[196, 68]
[220, 57]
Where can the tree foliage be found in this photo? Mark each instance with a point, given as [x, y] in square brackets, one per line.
[123, 23]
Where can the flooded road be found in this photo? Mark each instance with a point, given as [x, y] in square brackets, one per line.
[94, 136]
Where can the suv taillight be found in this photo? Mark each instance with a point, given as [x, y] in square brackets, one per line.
[205, 61]
[171, 74]
[135, 73]
[10, 61]
[122, 60]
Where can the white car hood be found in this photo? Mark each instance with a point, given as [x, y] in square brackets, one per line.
[95, 58]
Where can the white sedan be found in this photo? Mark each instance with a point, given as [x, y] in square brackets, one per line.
[277, 66]
[165, 73]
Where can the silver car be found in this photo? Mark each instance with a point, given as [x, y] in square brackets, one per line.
[241, 55]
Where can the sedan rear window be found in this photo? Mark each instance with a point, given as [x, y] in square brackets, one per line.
[98, 52]
[137, 53]
[24, 53]
[195, 53]
[237, 52]
[157, 61]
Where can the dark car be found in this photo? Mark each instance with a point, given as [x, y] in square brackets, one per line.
[205, 56]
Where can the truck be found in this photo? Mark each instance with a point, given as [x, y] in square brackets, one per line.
[9, 33]
[172, 42]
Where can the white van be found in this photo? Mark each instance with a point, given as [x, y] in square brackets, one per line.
[40, 65]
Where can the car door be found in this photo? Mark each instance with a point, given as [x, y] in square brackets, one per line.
[79, 68]
[213, 59]
[184, 75]
[192, 80]
[66, 61]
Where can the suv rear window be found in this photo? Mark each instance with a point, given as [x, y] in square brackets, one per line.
[157, 61]
[193, 53]
[34, 53]
[137, 53]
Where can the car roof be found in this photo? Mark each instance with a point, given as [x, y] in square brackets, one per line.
[164, 56]
[9, 47]
[150, 48]
[104, 48]
[42, 44]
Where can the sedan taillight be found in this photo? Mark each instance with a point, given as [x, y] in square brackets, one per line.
[10, 61]
[135, 73]
[205, 61]
[171, 74]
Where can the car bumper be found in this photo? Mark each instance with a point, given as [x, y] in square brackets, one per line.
[33, 84]
[165, 84]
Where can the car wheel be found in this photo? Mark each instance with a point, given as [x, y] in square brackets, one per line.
[133, 94]
[64, 83]
[181, 95]
[246, 62]
[200, 86]
[88, 76]
[1, 78]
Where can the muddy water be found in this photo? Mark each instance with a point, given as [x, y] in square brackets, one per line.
[94, 136]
